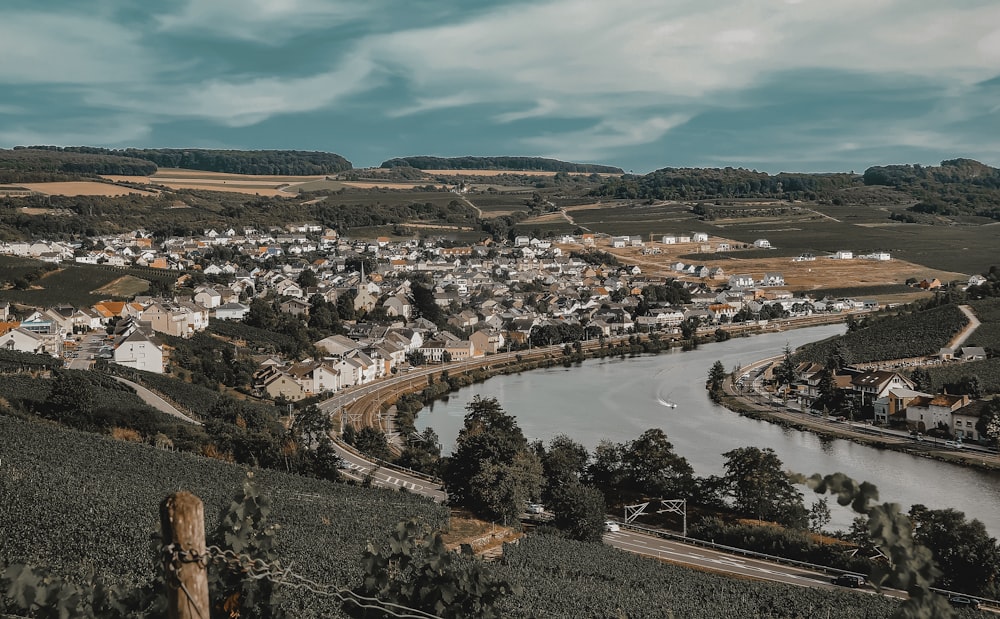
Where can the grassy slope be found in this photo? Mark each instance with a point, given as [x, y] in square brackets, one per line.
[76, 501]
[73, 500]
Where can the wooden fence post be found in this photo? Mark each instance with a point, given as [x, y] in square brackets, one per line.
[182, 522]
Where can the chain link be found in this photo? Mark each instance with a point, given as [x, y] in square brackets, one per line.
[258, 569]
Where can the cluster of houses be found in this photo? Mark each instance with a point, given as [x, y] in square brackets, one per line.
[494, 296]
[896, 401]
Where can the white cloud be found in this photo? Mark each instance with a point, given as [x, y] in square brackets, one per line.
[239, 103]
[69, 49]
[435, 103]
[119, 131]
[544, 107]
[646, 50]
[263, 21]
[601, 139]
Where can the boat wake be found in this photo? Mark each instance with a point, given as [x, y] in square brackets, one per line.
[664, 400]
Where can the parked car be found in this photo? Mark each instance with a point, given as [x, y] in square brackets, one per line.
[953, 444]
[960, 601]
[612, 527]
[849, 580]
[536, 508]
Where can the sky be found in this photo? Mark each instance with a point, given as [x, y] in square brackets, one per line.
[772, 85]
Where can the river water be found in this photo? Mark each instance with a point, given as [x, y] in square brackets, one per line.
[618, 399]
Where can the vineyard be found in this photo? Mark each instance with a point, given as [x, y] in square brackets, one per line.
[988, 333]
[572, 579]
[79, 502]
[893, 337]
[987, 371]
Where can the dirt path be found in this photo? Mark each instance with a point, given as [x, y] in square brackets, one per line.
[479, 211]
[959, 339]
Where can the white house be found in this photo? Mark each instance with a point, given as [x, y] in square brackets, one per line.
[231, 311]
[844, 254]
[699, 237]
[207, 297]
[762, 244]
[743, 280]
[977, 280]
[22, 340]
[668, 239]
[773, 279]
[139, 351]
[926, 413]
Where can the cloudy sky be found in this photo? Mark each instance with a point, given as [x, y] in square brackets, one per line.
[796, 85]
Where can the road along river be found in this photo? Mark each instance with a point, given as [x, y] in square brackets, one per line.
[618, 399]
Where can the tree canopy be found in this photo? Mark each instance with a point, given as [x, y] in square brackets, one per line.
[492, 472]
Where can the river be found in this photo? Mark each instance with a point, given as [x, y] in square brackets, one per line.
[618, 399]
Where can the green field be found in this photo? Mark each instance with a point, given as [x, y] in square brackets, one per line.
[988, 333]
[74, 284]
[76, 502]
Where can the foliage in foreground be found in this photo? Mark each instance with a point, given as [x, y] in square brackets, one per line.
[81, 504]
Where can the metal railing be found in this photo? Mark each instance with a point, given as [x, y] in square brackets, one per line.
[826, 569]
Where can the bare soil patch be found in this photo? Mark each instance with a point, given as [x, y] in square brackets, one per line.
[383, 185]
[482, 536]
[83, 188]
[163, 173]
[125, 286]
[799, 276]
[501, 172]
[29, 210]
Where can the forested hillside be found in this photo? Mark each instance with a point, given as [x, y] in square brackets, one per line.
[272, 162]
[498, 163]
[73, 216]
[710, 183]
[40, 165]
[956, 187]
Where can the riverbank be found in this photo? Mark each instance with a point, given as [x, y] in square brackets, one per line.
[379, 403]
[868, 435]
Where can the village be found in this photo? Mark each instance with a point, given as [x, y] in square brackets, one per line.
[493, 297]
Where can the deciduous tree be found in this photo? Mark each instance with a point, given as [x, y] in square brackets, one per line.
[492, 472]
[759, 487]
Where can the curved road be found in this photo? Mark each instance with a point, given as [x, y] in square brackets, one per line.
[156, 401]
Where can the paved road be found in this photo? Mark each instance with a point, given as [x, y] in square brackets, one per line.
[358, 468]
[713, 560]
[156, 401]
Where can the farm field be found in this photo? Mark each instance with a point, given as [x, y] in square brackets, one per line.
[79, 188]
[79, 285]
[822, 273]
[517, 172]
[796, 228]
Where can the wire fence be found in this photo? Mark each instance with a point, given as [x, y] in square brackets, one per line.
[257, 569]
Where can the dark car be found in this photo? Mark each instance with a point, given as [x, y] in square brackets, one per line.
[849, 580]
[960, 601]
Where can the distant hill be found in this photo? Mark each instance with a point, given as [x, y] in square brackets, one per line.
[498, 163]
[956, 187]
[269, 162]
[712, 183]
[39, 165]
